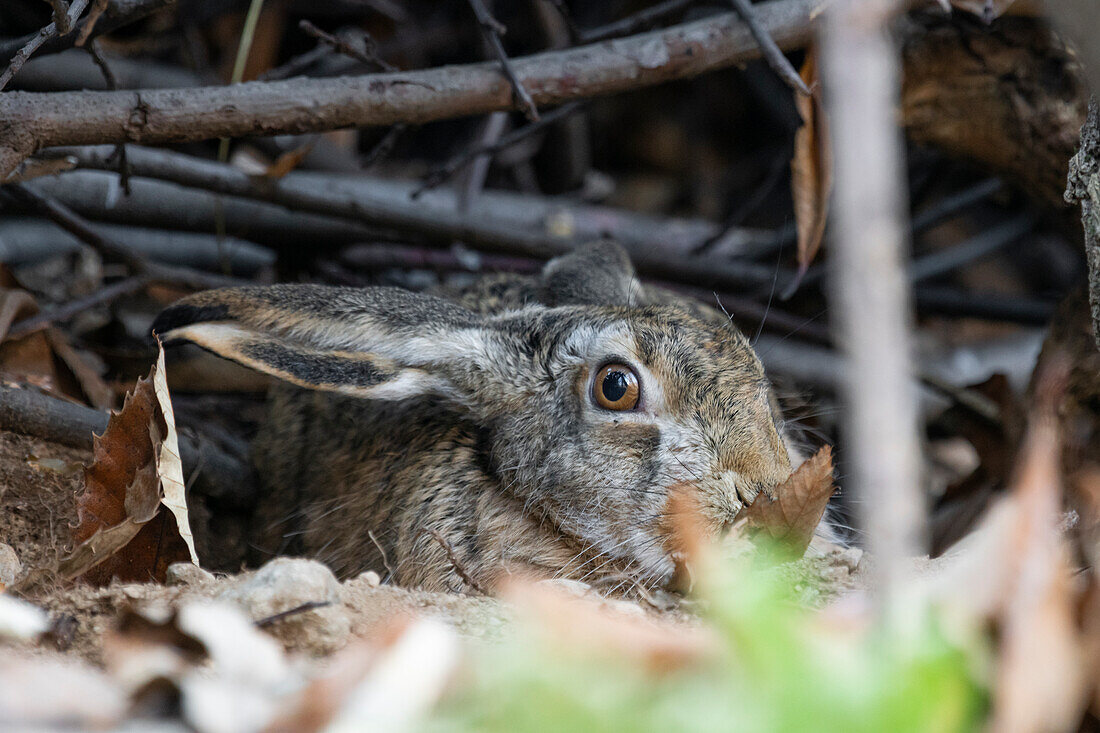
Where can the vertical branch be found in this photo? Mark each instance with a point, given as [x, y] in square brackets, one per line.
[869, 291]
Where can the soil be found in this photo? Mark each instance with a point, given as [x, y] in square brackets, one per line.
[39, 482]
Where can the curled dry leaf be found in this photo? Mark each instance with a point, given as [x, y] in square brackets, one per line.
[135, 469]
[811, 169]
[799, 504]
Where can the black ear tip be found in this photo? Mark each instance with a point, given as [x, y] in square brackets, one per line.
[185, 314]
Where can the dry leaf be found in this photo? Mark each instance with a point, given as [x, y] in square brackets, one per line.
[288, 161]
[135, 469]
[1041, 685]
[799, 504]
[44, 357]
[811, 170]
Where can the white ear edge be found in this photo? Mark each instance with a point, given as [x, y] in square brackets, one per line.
[227, 340]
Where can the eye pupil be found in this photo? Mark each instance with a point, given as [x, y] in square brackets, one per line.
[614, 386]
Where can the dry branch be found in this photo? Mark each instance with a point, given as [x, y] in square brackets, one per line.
[30, 121]
[510, 223]
[30, 413]
[870, 294]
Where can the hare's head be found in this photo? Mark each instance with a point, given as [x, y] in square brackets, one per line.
[596, 409]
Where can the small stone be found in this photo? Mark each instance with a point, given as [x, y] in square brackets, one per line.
[371, 578]
[186, 573]
[286, 584]
[850, 558]
[10, 567]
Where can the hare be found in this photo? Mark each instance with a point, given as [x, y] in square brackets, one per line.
[535, 425]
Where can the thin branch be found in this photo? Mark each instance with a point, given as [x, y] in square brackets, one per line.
[80, 228]
[118, 14]
[367, 55]
[99, 7]
[458, 567]
[60, 15]
[494, 224]
[37, 40]
[494, 30]
[775, 58]
[30, 121]
[297, 610]
[74, 308]
[642, 20]
[870, 295]
[112, 83]
[444, 172]
[30, 413]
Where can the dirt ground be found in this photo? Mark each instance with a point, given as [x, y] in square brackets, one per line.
[297, 600]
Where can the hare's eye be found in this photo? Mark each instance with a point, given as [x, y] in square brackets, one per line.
[616, 388]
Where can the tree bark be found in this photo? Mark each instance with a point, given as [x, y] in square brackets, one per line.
[1084, 188]
[30, 121]
[1007, 96]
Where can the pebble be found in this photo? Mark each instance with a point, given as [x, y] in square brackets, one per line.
[10, 567]
[186, 573]
[285, 584]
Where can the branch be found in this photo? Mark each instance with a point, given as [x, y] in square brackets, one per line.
[50, 31]
[508, 223]
[870, 296]
[297, 106]
[493, 31]
[118, 14]
[73, 223]
[30, 413]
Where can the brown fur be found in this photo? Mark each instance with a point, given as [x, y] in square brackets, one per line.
[490, 438]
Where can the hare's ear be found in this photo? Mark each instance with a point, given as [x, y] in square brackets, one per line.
[599, 273]
[372, 342]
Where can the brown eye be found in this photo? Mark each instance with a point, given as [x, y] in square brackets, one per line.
[616, 388]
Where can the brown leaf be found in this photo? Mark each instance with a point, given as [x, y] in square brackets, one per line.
[121, 533]
[288, 161]
[811, 169]
[1040, 678]
[799, 504]
[44, 358]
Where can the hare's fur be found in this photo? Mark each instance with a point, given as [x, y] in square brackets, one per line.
[426, 433]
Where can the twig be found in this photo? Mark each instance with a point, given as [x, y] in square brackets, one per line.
[478, 170]
[36, 41]
[75, 307]
[367, 55]
[639, 21]
[383, 147]
[88, 26]
[492, 225]
[768, 47]
[870, 295]
[32, 413]
[30, 121]
[458, 568]
[76, 225]
[60, 15]
[112, 83]
[444, 172]
[988, 241]
[958, 303]
[304, 608]
[108, 76]
[494, 30]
